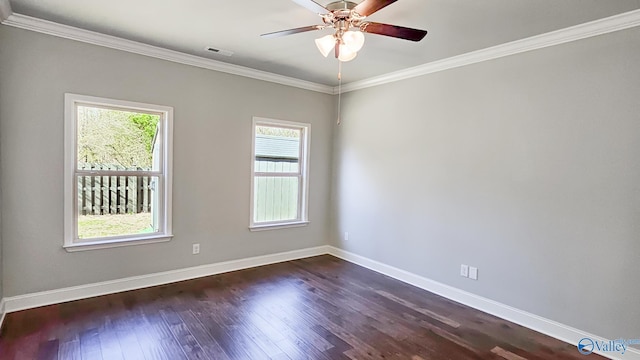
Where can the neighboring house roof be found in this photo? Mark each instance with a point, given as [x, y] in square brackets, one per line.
[269, 146]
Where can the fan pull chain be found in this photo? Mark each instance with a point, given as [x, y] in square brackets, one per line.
[339, 90]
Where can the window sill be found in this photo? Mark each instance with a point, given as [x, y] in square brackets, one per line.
[106, 244]
[262, 227]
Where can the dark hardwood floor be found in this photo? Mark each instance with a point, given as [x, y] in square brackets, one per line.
[315, 308]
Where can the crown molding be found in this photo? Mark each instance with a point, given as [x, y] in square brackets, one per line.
[582, 31]
[5, 10]
[593, 28]
[95, 38]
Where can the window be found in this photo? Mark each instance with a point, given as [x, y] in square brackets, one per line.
[279, 167]
[118, 157]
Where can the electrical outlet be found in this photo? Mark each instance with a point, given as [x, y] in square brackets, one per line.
[473, 273]
[464, 270]
[346, 236]
[196, 249]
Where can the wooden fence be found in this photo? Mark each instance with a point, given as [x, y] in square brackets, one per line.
[275, 197]
[102, 195]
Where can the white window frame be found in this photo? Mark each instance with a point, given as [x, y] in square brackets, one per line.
[302, 174]
[164, 174]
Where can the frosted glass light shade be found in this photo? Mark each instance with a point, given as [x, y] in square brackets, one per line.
[325, 44]
[346, 53]
[354, 40]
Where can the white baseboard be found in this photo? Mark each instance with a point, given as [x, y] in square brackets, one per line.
[28, 301]
[2, 313]
[548, 327]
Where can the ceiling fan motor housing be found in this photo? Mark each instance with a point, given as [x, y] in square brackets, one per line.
[341, 16]
[344, 15]
[341, 5]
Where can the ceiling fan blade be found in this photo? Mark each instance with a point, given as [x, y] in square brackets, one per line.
[368, 7]
[396, 31]
[293, 31]
[312, 5]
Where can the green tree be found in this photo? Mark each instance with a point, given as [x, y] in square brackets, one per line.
[277, 131]
[148, 124]
[115, 137]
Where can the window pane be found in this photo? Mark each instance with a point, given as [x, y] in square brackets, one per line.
[276, 166]
[117, 205]
[117, 140]
[277, 149]
[275, 198]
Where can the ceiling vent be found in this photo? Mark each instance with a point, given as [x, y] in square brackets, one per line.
[219, 51]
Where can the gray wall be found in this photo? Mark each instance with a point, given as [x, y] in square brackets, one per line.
[525, 166]
[212, 145]
[1, 270]
[1, 267]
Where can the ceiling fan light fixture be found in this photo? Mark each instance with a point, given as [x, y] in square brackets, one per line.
[346, 53]
[354, 40]
[326, 44]
[344, 15]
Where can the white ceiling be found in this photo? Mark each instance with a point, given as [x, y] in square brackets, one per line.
[455, 27]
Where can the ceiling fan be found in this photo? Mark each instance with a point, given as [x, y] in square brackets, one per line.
[348, 20]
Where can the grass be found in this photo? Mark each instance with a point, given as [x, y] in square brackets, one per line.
[93, 226]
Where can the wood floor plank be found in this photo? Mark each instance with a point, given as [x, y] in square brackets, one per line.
[234, 343]
[26, 348]
[295, 329]
[207, 342]
[506, 354]
[240, 313]
[125, 329]
[189, 344]
[378, 319]
[70, 350]
[341, 323]
[315, 308]
[109, 342]
[148, 338]
[48, 350]
[90, 344]
[160, 332]
[442, 319]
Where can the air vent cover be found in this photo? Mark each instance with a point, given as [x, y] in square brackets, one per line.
[219, 51]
